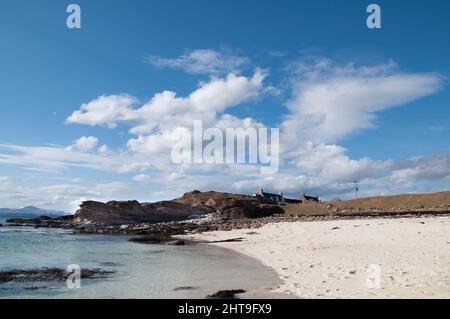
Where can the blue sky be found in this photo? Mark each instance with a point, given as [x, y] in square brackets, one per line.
[398, 143]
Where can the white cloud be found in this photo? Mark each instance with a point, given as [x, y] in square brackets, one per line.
[202, 62]
[54, 159]
[104, 149]
[83, 144]
[162, 122]
[104, 110]
[431, 168]
[335, 179]
[142, 178]
[134, 167]
[331, 102]
[166, 110]
[64, 197]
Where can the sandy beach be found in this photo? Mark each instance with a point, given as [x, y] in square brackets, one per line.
[363, 258]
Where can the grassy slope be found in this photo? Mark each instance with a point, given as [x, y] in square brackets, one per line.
[406, 202]
[397, 201]
[305, 209]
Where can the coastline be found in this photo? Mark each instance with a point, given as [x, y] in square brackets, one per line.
[333, 259]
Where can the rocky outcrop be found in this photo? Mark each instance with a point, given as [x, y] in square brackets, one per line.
[247, 208]
[194, 203]
[133, 212]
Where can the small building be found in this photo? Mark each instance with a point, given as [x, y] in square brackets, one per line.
[276, 198]
[309, 199]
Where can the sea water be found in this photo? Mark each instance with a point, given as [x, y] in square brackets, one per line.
[141, 270]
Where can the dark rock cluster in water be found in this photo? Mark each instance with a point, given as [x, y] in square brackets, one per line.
[42, 222]
[48, 274]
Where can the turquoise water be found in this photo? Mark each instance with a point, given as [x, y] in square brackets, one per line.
[142, 270]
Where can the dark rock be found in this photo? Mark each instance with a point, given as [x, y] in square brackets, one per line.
[227, 294]
[35, 287]
[232, 240]
[48, 274]
[109, 264]
[67, 218]
[176, 243]
[42, 221]
[247, 208]
[185, 288]
[152, 239]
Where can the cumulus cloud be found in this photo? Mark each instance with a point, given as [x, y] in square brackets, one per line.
[167, 110]
[104, 110]
[84, 144]
[202, 62]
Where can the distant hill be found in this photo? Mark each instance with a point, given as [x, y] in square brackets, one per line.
[30, 211]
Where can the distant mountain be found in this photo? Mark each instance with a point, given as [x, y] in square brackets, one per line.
[30, 211]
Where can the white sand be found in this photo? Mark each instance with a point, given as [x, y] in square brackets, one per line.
[412, 256]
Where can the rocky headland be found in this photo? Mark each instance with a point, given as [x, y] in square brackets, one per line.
[197, 212]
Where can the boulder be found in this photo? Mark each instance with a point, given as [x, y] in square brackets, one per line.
[176, 243]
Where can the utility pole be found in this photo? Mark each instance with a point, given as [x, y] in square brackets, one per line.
[356, 188]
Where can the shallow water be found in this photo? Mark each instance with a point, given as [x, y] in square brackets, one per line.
[142, 270]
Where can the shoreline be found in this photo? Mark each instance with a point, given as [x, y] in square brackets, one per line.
[333, 258]
[190, 272]
[207, 224]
